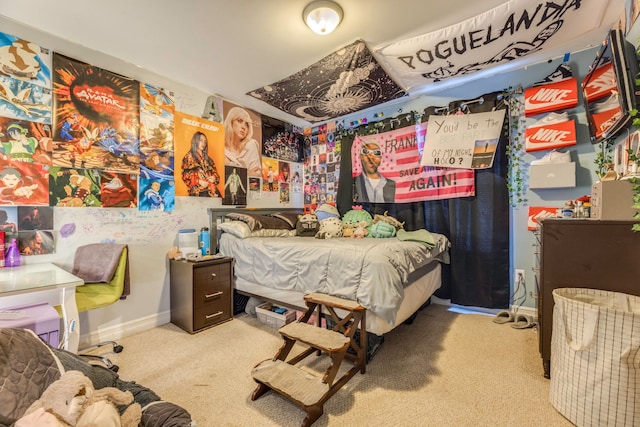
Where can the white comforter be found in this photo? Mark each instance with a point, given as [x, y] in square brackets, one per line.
[373, 272]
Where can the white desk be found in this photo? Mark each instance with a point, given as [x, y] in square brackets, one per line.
[43, 277]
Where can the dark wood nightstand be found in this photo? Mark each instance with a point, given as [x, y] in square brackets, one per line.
[201, 293]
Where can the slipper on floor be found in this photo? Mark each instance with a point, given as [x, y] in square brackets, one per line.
[503, 316]
[522, 321]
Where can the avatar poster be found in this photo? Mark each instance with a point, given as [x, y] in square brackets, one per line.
[96, 117]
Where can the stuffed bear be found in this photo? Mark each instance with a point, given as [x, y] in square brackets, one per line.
[74, 402]
[307, 225]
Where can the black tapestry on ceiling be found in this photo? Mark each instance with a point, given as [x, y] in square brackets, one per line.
[344, 82]
[477, 226]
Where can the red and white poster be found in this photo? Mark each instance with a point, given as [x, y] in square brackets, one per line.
[398, 175]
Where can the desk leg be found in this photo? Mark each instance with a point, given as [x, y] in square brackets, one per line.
[71, 320]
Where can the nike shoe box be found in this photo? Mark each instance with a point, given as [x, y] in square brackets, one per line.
[40, 318]
[552, 175]
[554, 96]
[612, 200]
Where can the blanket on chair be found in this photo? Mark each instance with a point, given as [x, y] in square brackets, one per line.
[97, 263]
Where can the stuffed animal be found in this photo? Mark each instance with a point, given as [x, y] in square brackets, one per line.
[326, 210]
[389, 219]
[329, 228]
[382, 229]
[307, 225]
[75, 403]
[361, 231]
[352, 218]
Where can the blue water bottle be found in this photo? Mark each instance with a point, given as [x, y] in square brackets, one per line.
[205, 241]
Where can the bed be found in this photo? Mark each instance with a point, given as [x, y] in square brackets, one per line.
[391, 278]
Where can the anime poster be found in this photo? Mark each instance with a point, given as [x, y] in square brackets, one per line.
[35, 218]
[24, 60]
[25, 141]
[285, 196]
[199, 153]
[74, 187]
[24, 100]
[242, 138]
[281, 140]
[156, 164]
[156, 119]
[23, 183]
[95, 117]
[156, 194]
[235, 187]
[118, 190]
[269, 174]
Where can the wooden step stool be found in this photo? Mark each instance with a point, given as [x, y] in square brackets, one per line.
[301, 386]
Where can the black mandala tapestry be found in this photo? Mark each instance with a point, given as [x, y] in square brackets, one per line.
[346, 81]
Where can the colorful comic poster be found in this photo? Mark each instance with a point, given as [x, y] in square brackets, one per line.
[74, 187]
[118, 190]
[36, 242]
[96, 117]
[199, 148]
[156, 164]
[156, 194]
[24, 100]
[284, 192]
[24, 60]
[23, 183]
[25, 141]
[156, 119]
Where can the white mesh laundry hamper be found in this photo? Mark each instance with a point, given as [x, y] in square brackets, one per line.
[595, 357]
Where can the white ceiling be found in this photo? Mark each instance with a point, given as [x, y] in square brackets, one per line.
[230, 47]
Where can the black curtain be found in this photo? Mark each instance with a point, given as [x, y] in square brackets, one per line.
[478, 226]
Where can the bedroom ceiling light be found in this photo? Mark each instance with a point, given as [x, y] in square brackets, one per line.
[322, 16]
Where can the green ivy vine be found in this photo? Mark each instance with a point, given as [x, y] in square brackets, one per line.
[515, 148]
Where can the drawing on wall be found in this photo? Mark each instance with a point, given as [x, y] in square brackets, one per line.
[156, 194]
[23, 183]
[243, 138]
[96, 117]
[74, 187]
[199, 144]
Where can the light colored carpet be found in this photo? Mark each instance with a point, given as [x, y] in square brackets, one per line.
[445, 369]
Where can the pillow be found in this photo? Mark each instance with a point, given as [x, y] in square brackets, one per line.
[267, 232]
[257, 222]
[290, 218]
[237, 228]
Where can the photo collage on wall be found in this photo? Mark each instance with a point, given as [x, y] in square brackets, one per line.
[31, 226]
[322, 145]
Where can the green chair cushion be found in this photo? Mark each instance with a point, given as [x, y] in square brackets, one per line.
[96, 295]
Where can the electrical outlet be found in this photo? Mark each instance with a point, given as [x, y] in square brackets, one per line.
[533, 294]
[519, 275]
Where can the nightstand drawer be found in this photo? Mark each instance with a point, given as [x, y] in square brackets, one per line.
[218, 273]
[212, 294]
[211, 314]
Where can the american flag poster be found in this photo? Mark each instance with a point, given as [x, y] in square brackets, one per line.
[396, 156]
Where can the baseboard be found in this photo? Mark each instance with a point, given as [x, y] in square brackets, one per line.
[529, 311]
[113, 333]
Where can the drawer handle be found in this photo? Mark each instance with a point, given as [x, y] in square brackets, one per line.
[209, 316]
[213, 295]
[213, 274]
